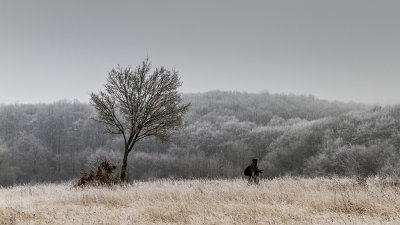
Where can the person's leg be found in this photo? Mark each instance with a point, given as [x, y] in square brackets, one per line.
[256, 180]
[251, 178]
[249, 181]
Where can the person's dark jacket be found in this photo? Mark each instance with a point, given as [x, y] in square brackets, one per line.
[252, 169]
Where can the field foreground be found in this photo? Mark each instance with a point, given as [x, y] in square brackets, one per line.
[278, 201]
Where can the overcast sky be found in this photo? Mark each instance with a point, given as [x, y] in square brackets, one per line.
[337, 50]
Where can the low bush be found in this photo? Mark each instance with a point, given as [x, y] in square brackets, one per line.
[102, 175]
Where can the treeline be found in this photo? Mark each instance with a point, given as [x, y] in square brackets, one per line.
[296, 135]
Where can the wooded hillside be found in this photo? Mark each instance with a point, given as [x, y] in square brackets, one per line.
[296, 135]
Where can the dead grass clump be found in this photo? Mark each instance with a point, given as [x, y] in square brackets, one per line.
[103, 175]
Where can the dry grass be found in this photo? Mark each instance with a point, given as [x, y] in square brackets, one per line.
[278, 201]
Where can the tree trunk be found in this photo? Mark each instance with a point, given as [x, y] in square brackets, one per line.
[124, 165]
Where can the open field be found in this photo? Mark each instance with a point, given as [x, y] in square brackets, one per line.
[278, 201]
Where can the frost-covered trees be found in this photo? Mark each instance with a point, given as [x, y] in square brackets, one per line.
[7, 173]
[223, 131]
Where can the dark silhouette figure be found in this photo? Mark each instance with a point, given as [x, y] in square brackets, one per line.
[252, 172]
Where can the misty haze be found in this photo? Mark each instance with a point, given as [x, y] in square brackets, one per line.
[176, 112]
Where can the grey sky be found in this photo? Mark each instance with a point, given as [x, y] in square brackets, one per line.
[339, 50]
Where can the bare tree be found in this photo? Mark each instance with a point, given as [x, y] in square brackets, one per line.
[138, 104]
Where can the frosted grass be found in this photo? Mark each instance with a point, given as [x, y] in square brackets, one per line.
[277, 201]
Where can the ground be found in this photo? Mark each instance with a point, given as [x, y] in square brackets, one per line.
[276, 201]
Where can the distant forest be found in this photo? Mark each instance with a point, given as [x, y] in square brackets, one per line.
[289, 134]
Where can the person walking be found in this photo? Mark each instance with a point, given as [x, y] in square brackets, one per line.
[253, 172]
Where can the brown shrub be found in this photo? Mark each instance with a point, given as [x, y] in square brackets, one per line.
[102, 175]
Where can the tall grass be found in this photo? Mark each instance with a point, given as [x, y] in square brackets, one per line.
[277, 201]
